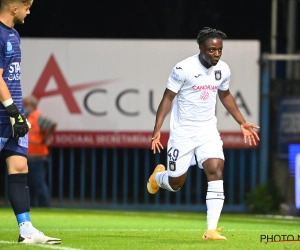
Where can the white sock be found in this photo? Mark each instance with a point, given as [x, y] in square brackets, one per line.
[162, 180]
[214, 202]
[26, 228]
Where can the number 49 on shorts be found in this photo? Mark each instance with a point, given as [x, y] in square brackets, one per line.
[173, 154]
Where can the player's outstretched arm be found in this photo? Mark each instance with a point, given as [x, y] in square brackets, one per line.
[249, 133]
[247, 128]
[162, 111]
[155, 144]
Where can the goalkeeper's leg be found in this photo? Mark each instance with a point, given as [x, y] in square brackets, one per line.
[19, 196]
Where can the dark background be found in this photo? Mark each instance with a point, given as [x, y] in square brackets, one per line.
[156, 19]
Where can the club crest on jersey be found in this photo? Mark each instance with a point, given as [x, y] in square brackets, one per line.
[172, 165]
[218, 74]
[9, 48]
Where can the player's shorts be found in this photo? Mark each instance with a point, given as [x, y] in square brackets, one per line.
[186, 152]
[12, 146]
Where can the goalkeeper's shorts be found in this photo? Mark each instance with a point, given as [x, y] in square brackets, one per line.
[12, 146]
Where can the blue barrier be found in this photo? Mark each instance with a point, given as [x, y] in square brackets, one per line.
[115, 178]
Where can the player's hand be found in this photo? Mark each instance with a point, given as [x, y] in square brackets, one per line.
[19, 123]
[155, 144]
[249, 133]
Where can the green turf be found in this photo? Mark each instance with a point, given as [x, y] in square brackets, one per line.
[98, 229]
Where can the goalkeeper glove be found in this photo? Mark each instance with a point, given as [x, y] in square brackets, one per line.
[20, 125]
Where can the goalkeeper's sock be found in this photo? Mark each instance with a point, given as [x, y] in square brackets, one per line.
[18, 193]
[19, 199]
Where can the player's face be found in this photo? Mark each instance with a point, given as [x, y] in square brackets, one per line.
[211, 52]
[22, 10]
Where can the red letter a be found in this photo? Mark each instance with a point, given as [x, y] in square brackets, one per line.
[52, 69]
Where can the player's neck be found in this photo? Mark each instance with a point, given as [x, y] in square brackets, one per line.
[7, 20]
[203, 62]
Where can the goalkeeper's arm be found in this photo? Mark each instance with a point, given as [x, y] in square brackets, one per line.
[18, 121]
[19, 126]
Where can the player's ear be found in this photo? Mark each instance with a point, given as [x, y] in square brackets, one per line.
[14, 9]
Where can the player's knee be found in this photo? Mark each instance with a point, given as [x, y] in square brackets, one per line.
[19, 169]
[218, 174]
[214, 173]
[213, 168]
[17, 165]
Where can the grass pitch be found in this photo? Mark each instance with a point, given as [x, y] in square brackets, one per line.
[118, 230]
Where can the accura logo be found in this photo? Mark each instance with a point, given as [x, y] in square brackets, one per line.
[52, 70]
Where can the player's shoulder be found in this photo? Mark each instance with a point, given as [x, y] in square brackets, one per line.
[187, 63]
[222, 65]
[3, 31]
[15, 32]
[7, 33]
[188, 60]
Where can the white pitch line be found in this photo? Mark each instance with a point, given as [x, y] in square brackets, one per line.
[164, 230]
[41, 245]
[264, 220]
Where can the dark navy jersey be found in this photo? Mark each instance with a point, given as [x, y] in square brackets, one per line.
[10, 62]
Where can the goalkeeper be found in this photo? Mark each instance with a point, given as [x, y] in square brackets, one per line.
[13, 124]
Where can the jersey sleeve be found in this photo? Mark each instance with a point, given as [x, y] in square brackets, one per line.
[225, 83]
[2, 53]
[176, 79]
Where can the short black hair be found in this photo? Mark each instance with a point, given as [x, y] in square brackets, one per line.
[12, 1]
[207, 33]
